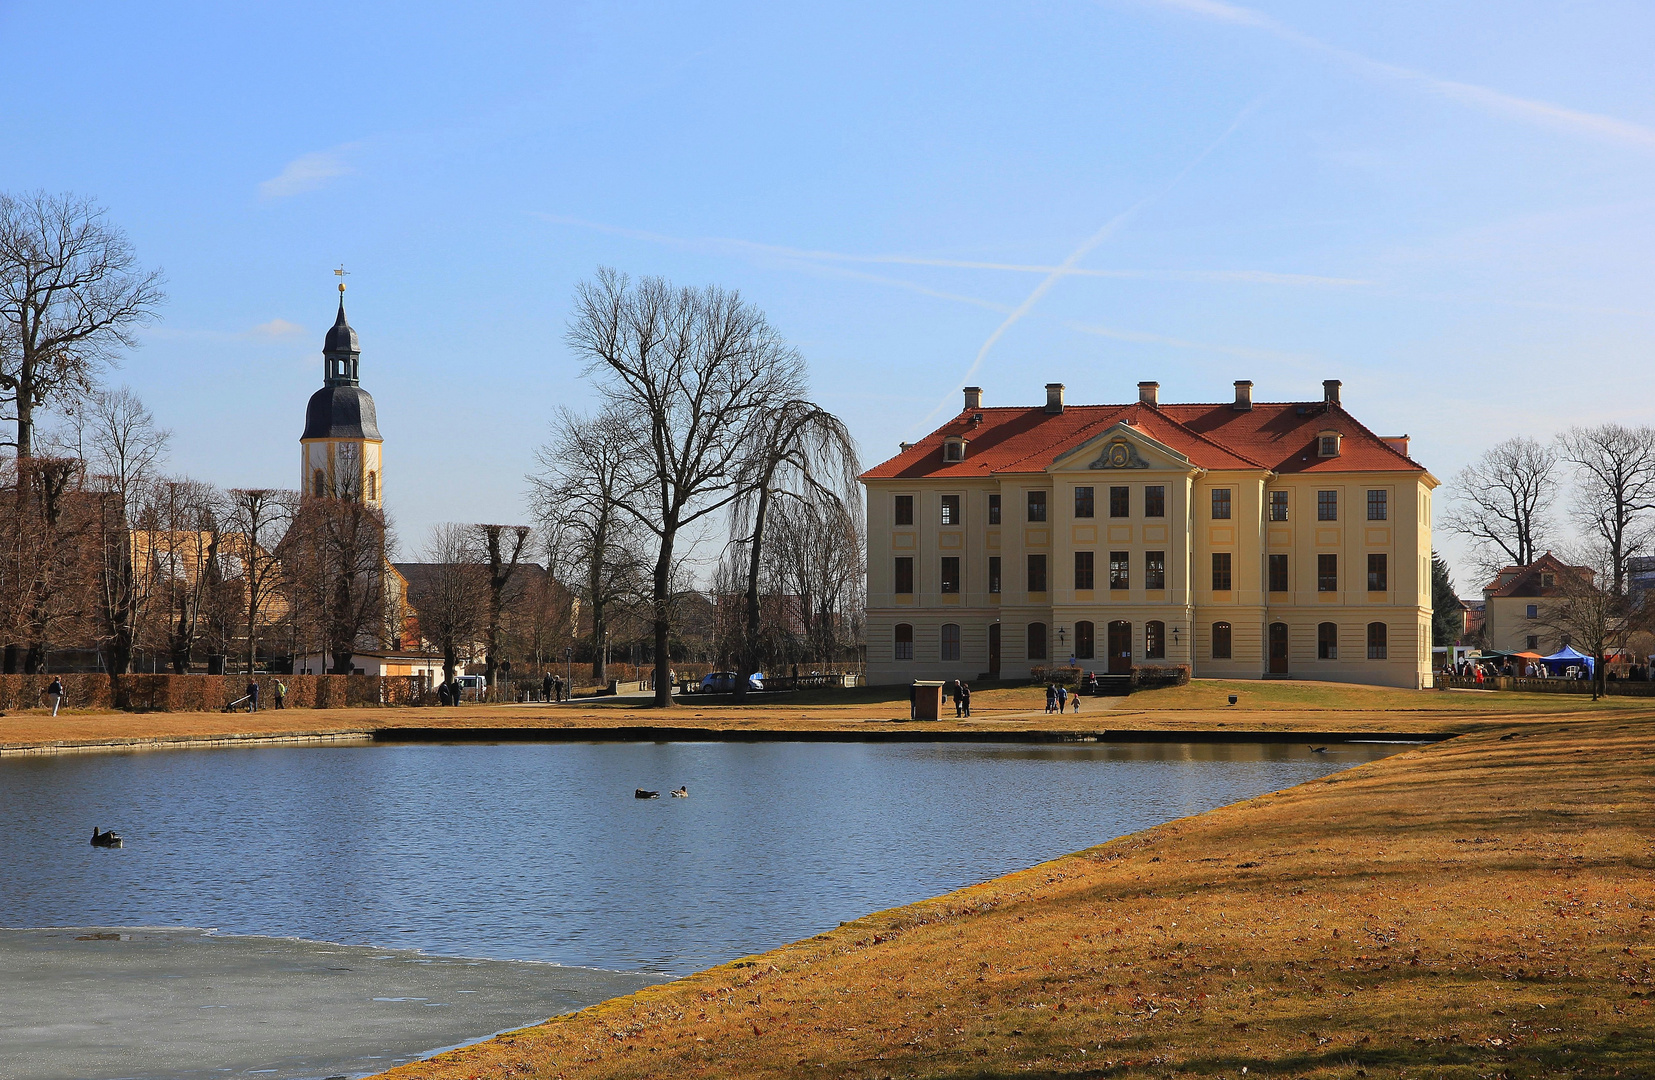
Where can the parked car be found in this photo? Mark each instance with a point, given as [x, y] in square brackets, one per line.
[724, 682]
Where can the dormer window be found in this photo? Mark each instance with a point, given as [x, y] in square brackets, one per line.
[1327, 444]
[1548, 581]
[953, 448]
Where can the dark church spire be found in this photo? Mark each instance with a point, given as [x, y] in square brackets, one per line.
[341, 350]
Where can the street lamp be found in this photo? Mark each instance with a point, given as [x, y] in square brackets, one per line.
[1175, 637]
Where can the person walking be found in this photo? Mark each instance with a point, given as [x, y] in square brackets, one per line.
[55, 692]
[546, 687]
[281, 694]
[252, 695]
[1062, 697]
[965, 697]
[1077, 702]
[1051, 696]
[442, 692]
[959, 699]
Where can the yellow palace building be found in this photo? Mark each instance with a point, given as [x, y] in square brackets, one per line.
[1245, 539]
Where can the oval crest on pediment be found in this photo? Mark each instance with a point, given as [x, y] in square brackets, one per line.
[1119, 454]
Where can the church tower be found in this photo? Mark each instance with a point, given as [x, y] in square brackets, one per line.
[341, 444]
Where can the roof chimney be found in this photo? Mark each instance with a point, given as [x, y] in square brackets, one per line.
[973, 398]
[1244, 396]
[1149, 393]
[905, 447]
[1054, 397]
[1330, 391]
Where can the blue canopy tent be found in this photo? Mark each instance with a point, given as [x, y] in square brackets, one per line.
[1567, 657]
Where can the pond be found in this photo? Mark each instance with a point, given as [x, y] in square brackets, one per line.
[541, 852]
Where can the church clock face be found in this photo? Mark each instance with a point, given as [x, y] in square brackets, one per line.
[1120, 455]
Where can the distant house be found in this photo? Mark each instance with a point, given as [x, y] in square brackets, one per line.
[1514, 605]
[1474, 618]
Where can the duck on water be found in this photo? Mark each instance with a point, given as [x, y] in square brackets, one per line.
[106, 838]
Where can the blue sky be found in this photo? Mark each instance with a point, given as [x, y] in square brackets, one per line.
[1447, 205]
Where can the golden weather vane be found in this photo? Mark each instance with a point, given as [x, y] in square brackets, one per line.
[341, 273]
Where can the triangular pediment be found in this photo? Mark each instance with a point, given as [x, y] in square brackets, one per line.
[1121, 448]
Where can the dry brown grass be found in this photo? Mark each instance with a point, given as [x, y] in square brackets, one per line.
[1480, 908]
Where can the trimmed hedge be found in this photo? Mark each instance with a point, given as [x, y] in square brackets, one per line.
[209, 693]
[1148, 677]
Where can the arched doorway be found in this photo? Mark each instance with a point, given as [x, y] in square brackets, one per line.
[1278, 648]
[1120, 648]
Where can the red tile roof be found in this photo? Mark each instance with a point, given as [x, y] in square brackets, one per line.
[1525, 580]
[1280, 437]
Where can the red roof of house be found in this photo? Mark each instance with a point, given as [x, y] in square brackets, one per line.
[1280, 437]
[1525, 580]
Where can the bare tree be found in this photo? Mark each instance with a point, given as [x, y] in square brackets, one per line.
[502, 547]
[124, 448]
[335, 555]
[1615, 467]
[45, 599]
[816, 557]
[1501, 502]
[71, 295]
[258, 518]
[698, 368]
[450, 594]
[185, 548]
[579, 497]
[805, 454]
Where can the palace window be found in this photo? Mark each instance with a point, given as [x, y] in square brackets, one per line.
[953, 448]
[1221, 571]
[950, 510]
[1379, 505]
[1083, 570]
[1155, 569]
[1278, 573]
[994, 509]
[1037, 573]
[318, 483]
[950, 641]
[950, 573]
[1327, 506]
[1221, 504]
[1532, 611]
[904, 510]
[1221, 641]
[903, 649]
[1377, 646]
[1083, 640]
[1532, 642]
[1378, 578]
[994, 573]
[1327, 573]
[1155, 500]
[1327, 641]
[1083, 502]
[373, 486]
[1155, 640]
[1037, 506]
[1037, 641]
[1120, 502]
[1278, 506]
[1327, 444]
[1119, 570]
[904, 574]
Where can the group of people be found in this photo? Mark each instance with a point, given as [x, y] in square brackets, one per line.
[554, 688]
[962, 697]
[252, 698]
[1058, 697]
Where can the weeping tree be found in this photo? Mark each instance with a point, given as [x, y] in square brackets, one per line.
[804, 455]
[815, 562]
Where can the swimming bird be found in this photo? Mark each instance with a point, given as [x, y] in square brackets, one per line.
[105, 839]
[1318, 749]
[642, 794]
[682, 793]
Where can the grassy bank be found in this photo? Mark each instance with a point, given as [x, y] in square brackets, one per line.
[1480, 908]
[1200, 707]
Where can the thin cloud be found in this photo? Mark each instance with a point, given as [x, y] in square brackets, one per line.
[1079, 253]
[747, 248]
[277, 328]
[1527, 110]
[307, 172]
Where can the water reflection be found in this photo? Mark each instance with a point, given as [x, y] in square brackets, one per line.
[540, 852]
